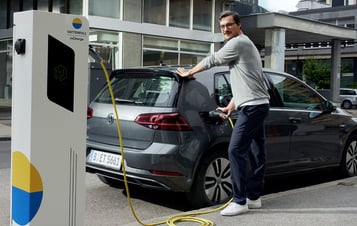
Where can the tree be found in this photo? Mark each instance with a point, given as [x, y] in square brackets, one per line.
[317, 72]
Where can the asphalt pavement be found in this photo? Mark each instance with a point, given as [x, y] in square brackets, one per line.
[328, 204]
[5, 130]
[5, 123]
[332, 203]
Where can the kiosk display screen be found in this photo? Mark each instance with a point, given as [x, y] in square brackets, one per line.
[60, 73]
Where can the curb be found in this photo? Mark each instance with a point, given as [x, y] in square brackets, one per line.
[348, 181]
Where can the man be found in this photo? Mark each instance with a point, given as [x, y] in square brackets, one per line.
[251, 100]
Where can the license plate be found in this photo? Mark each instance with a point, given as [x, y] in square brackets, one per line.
[105, 159]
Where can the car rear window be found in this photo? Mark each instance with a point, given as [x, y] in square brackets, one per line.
[141, 88]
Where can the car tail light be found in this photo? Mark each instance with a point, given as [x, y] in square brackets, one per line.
[163, 121]
[89, 113]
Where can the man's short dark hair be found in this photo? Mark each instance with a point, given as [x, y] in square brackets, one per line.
[235, 15]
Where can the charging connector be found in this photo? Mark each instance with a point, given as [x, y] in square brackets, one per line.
[217, 113]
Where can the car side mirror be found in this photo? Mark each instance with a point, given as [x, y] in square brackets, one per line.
[330, 107]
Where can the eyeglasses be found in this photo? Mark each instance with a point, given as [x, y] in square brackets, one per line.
[227, 25]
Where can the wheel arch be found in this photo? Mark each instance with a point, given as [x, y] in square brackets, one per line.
[195, 198]
[217, 146]
[352, 136]
[346, 101]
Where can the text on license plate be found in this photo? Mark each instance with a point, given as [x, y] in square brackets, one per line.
[105, 159]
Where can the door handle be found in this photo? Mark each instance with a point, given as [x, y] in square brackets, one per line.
[294, 120]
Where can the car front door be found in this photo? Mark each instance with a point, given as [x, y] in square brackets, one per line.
[314, 137]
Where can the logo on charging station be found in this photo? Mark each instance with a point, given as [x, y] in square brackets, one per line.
[27, 189]
[74, 29]
[77, 23]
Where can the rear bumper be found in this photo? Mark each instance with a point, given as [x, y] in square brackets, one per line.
[177, 184]
[141, 164]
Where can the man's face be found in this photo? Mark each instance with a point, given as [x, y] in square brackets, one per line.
[229, 28]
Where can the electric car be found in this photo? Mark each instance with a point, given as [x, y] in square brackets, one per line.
[171, 141]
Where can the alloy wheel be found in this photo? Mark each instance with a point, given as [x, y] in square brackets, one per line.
[218, 185]
[351, 159]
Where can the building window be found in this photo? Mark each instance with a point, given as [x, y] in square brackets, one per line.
[202, 15]
[155, 11]
[162, 51]
[106, 44]
[3, 14]
[197, 47]
[180, 13]
[5, 72]
[190, 59]
[108, 8]
[156, 57]
[75, 7]
[193, 52]
[8, 8]
[58, 6]
[42, 5]
[168, 44]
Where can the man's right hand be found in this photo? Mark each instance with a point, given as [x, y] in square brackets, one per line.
[183, 72]
[225, 112]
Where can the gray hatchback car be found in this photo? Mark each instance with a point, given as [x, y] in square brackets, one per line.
[171, 142]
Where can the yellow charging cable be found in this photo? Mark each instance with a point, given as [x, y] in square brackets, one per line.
[185, 217]
[230, 121]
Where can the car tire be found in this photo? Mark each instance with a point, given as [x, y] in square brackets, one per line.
[111, 182]
[346, 104]
[349, 158]
[212, 184]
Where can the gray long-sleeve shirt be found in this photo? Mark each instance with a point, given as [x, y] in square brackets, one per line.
[245, 66]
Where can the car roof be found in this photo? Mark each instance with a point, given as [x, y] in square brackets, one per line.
[173, 68]
[162, 68]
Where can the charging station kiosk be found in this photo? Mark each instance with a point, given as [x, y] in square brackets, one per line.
[50, 82]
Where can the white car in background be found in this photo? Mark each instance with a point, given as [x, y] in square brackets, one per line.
[348, 97]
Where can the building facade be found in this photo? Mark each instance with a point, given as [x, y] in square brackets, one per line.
[338, 12]
[130, 33]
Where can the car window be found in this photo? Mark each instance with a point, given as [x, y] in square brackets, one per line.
[223, 91]
[347, 92]
[145, 89]
[295, 94]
